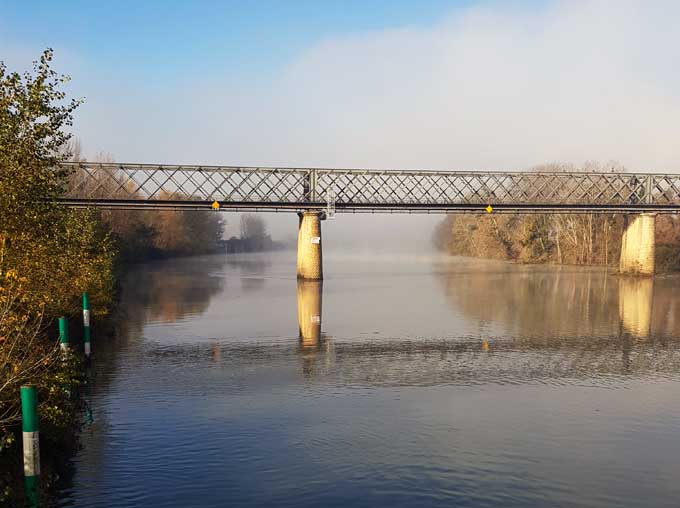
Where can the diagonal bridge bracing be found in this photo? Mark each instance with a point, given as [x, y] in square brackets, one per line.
[110, 185]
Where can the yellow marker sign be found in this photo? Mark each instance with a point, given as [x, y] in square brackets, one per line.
[215, 205]
[488, 209]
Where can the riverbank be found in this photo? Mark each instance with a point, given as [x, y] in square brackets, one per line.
[62, 413]
[582, 240]
[49, 256]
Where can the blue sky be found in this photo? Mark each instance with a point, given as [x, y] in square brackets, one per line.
[464, 84]
[163, 39]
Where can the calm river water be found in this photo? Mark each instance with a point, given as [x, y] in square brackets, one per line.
[398, 382]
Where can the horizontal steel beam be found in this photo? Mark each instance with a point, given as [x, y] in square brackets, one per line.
[288, 169]
[233, 206]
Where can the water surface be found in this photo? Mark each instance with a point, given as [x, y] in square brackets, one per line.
[399, 381]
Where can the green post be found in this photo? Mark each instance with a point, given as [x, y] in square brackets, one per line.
[31, 442]
[63, 333]
[86, 325]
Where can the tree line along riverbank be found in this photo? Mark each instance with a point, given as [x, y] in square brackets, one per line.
[573, 239]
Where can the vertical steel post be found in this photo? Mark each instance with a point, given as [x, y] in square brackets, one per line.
[306, 186]
[313, 185]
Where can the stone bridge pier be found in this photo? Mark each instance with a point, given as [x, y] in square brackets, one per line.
[638, 244]
[309, 252]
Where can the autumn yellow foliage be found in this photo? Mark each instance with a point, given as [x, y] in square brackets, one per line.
[49, 254]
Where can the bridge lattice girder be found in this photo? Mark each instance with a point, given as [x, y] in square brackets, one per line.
[356, 190]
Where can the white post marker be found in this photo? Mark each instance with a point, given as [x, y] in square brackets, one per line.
[86, 325]
[31, 441]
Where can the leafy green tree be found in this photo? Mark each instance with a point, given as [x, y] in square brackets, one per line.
[49, 254]
[33, 122]
[60, 251]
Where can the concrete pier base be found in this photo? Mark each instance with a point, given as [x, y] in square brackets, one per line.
[309, 258]
[637, 245]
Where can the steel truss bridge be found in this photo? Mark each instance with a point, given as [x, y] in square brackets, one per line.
[139, 186]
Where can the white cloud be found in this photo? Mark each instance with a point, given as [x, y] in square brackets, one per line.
[491, 88]
[487, 87]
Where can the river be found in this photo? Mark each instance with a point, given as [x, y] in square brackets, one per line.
[399, 381]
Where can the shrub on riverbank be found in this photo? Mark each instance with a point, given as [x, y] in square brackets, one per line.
[49, 254]
[144, 235]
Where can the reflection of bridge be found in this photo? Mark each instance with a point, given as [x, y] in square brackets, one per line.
[312, 191]
[543, 347]
[540, 322]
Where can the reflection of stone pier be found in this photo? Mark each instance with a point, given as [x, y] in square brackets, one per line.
[635, 305]
[309, 295]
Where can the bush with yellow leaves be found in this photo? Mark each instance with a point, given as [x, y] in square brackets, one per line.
[49, 254]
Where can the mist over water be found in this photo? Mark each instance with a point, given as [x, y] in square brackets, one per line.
[400, 380]
[366, 234]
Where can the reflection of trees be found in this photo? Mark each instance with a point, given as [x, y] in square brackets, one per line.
[164, 291]
[536, 301]
[168, 291]
[533, 302]
[665, 307]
